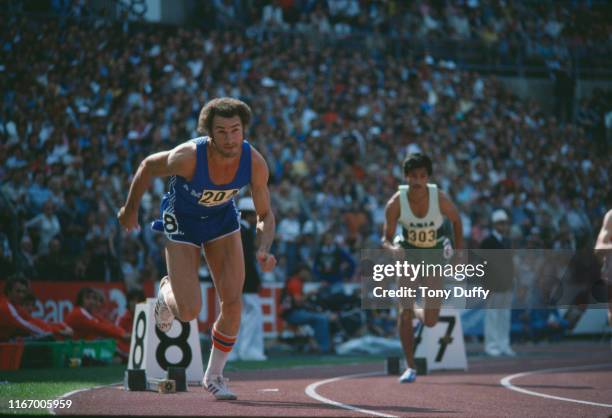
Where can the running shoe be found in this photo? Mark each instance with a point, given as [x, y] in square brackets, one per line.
[217, 385]
[408, 376]
[163, 314]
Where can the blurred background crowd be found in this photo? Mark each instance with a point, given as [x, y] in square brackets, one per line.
[341, 91]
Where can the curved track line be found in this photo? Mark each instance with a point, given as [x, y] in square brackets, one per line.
[311, 390]
[74, 392]
[506, 382]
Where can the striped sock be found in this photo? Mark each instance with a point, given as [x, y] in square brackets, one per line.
[222, 345]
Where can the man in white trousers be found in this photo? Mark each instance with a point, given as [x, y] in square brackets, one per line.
[501, 283]
[250, 345]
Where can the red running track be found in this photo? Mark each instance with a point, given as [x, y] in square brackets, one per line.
[477, 392]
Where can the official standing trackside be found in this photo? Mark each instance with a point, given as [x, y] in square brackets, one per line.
[199, 211]
[250, 345]
[498, 315]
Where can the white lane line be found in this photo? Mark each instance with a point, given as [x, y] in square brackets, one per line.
[268, 390]
[74, 392]
[311, 390]
[506, 382]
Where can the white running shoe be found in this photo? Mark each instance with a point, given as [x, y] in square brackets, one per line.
[408, 376]
[163, 314]
[217, 385]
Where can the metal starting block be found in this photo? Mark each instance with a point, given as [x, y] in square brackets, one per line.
[161, 385]
[135, 380]
[421, 366]
[394, 366]
[179, 376]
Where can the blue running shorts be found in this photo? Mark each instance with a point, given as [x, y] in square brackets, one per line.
[196, 230]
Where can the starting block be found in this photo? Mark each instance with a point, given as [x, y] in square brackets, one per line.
[394, 366]
[135, 380]
[161, 385]
[178, 375]
[421, 365]
[175, 380]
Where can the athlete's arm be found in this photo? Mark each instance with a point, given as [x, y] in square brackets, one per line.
[604, 239]
[448, 209]
[180, 161]
[392, 214]
[266, 224]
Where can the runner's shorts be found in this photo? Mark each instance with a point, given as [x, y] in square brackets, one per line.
[196, 230]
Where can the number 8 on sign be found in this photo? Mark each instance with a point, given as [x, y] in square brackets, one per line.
[138, 351]
[154, 351]
[165, 342]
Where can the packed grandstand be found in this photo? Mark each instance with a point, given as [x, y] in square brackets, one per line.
[341, 91]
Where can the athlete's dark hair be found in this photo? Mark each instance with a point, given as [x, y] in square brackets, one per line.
[417, 160]
[608, 200]
[225, 107]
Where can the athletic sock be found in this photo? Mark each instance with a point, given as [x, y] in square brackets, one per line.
[221, 346]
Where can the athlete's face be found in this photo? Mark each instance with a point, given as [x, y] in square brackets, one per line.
[227, 135]
[417, 178]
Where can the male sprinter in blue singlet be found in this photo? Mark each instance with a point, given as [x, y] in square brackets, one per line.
[199, 211]
[420, 208]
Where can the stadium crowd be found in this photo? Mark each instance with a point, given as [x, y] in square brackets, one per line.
[531, 32]
[85, 101]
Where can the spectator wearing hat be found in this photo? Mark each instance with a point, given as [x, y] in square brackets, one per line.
[250, 345]
[500, 280]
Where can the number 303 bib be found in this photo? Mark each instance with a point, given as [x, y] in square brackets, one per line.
[422, 237]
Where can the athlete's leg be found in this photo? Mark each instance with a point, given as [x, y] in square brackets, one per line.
[183, 296]
[430, 313]
[226, 262]
[406, 332]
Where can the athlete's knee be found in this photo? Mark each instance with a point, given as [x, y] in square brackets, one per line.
[189, 310]
[430, 320]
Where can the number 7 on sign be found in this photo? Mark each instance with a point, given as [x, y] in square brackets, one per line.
[443, 341]
[447, 338]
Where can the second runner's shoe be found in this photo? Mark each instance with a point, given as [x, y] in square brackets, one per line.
[409, 376]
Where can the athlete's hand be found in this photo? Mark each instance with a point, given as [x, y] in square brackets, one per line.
[267, 262]
[395, 250]
[128, 219]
